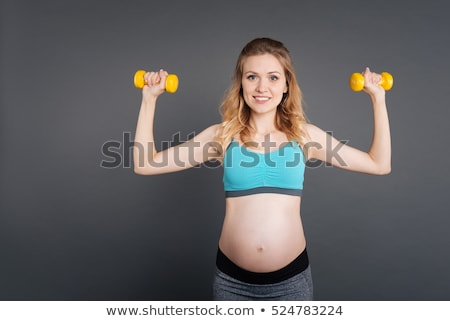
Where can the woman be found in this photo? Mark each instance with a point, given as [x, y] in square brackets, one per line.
[263, 143]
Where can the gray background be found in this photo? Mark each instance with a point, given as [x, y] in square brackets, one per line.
[72, 230]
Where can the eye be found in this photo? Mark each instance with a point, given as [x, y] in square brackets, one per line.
[273, 78]
[251, 77]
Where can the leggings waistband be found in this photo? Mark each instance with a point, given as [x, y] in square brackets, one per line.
[298, 265]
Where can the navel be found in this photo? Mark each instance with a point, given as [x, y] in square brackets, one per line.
[260, 248]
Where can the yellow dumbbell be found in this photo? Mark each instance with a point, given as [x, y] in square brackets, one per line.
[357, 81]
[171, 81]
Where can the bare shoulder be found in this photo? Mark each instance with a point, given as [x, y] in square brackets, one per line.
[313, 131]
[209, 133]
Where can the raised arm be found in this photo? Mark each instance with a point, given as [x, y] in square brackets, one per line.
[147, 160]
[377, 160]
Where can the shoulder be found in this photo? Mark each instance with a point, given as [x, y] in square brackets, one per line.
[313, 132]
[211, 131]
[311, 128]
[209, 134]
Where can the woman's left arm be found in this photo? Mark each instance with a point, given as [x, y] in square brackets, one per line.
[377, 160]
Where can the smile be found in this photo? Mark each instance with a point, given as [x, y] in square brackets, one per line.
[261, 98]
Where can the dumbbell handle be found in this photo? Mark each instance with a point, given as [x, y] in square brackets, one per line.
[357, 81]
[171, 85]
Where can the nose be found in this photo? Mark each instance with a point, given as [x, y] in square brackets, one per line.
[261, 86]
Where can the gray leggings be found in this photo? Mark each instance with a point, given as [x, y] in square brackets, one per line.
[297, 288]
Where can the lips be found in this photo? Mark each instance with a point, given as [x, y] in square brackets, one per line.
[261, 99]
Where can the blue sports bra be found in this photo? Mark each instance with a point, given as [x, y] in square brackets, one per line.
[248, 172]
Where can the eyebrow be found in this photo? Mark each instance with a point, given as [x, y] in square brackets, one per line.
[270, 72]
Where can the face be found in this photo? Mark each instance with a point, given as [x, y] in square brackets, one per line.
[263, 83]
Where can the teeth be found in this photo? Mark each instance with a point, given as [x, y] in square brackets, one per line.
[262, 98]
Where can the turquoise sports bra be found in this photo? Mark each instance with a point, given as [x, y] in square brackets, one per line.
[248, 172]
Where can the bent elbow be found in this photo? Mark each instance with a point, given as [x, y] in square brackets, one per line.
[138, 170]
[385, 170]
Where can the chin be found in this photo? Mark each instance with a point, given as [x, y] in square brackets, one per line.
[263, 109]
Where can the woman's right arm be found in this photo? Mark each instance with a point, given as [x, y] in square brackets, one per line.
[147, 160]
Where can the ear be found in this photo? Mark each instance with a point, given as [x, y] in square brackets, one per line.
[286, 88]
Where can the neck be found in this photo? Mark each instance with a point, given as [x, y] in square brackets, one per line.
[263, 124]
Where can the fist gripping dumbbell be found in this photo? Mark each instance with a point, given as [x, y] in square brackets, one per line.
[171, 81]
[357, 81]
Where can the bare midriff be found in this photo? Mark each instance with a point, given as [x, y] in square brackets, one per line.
[262, 232]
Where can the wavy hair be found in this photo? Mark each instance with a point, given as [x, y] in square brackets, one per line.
[290, 118]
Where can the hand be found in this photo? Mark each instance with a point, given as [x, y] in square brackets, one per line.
[155, 83]
[371, 83]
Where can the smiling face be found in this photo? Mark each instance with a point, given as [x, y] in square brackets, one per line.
[263, 83]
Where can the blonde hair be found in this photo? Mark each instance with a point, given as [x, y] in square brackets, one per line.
[290, 118]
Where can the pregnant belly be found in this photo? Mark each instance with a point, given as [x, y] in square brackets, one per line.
[262, 236]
